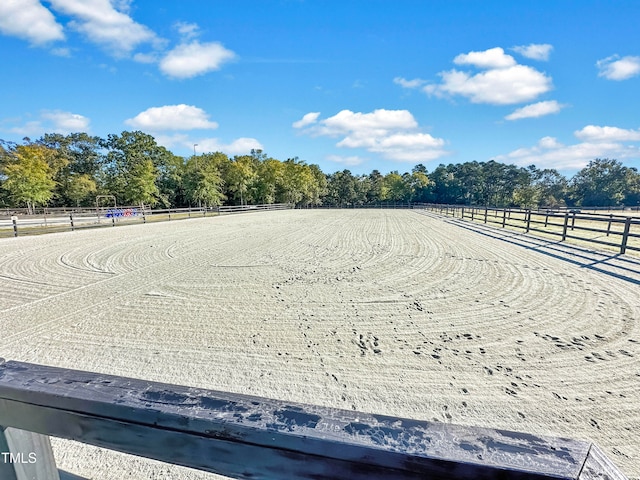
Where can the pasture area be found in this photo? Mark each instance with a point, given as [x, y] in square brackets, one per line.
[394, 312]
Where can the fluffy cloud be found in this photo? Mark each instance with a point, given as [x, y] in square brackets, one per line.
[393, 134]
[30, 20]
[240, 146]
[599, 142]
[53, 121]
[535, 51]
[308, 119]
[595, 133]
[191, 59]
[104, 25]
[66, 122]
[503, 81]
[492, 58]
[535, 110]
[616, 68]
[172, 117]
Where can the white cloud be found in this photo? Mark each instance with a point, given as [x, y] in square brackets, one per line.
[607, 134]
[145, 57]
[30, 20]
[240, 146]
[53, 121]
[549, 142]
[403, 82]
[535, 51]
[599, 142]
[616, 68]
[502, 83]
[492, 58]
[503, 86]
[187, 30]
[66, 122]
[172, 117]
[535, 110]
[105, 25]
[351, 161]
[306, 120]
[191, 59]
[393, 134]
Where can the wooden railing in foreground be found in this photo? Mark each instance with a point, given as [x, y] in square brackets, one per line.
[251, 437]
[602, 228]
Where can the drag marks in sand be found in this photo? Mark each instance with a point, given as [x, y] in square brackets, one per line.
[383, 311]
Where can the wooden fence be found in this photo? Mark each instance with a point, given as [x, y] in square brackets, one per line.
[57, 220]
[607, 229]
[243, 436]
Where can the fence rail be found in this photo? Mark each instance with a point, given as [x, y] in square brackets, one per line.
[57, 220]
[621, 232]
[252, 437]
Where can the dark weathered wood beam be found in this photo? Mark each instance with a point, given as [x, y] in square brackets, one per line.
[251, 437]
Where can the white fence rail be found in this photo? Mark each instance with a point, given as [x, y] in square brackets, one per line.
[15, 224]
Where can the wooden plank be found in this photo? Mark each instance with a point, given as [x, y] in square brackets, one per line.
[242, 436]
[26, 455]
[599, 467]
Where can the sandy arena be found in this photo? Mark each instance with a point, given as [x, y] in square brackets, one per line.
[386, 311]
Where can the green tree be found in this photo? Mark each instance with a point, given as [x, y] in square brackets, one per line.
[133, 164]
[268, 181]
[603, 182]
[397, 187]
[203, 179]
[80, 189]
[341, 188]
[77, 158]
[28, 175]
[239, 176]
[378, 190]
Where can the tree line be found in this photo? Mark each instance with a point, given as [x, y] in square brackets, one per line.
[72, 170]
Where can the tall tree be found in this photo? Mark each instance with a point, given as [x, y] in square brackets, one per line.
[203, 179]
[29, 177]
[239, 176]
[132, 167]
[603, 182]
[76, 166]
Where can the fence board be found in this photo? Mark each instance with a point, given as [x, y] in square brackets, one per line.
[251, 437]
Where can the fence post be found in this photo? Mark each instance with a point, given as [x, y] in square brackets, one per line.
[573, 220]
[15, 226]
[609, 225]
[28, 455]
[504, 218]
[564, 228]
[625, 235]
[529, 220]
[462, 215]
[71, 220]
[485, 214]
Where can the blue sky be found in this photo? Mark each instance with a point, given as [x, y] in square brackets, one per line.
[363, 85]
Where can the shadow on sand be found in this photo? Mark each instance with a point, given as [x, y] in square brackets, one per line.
[623, 267]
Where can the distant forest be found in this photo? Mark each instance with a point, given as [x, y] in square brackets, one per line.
[71, 170]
